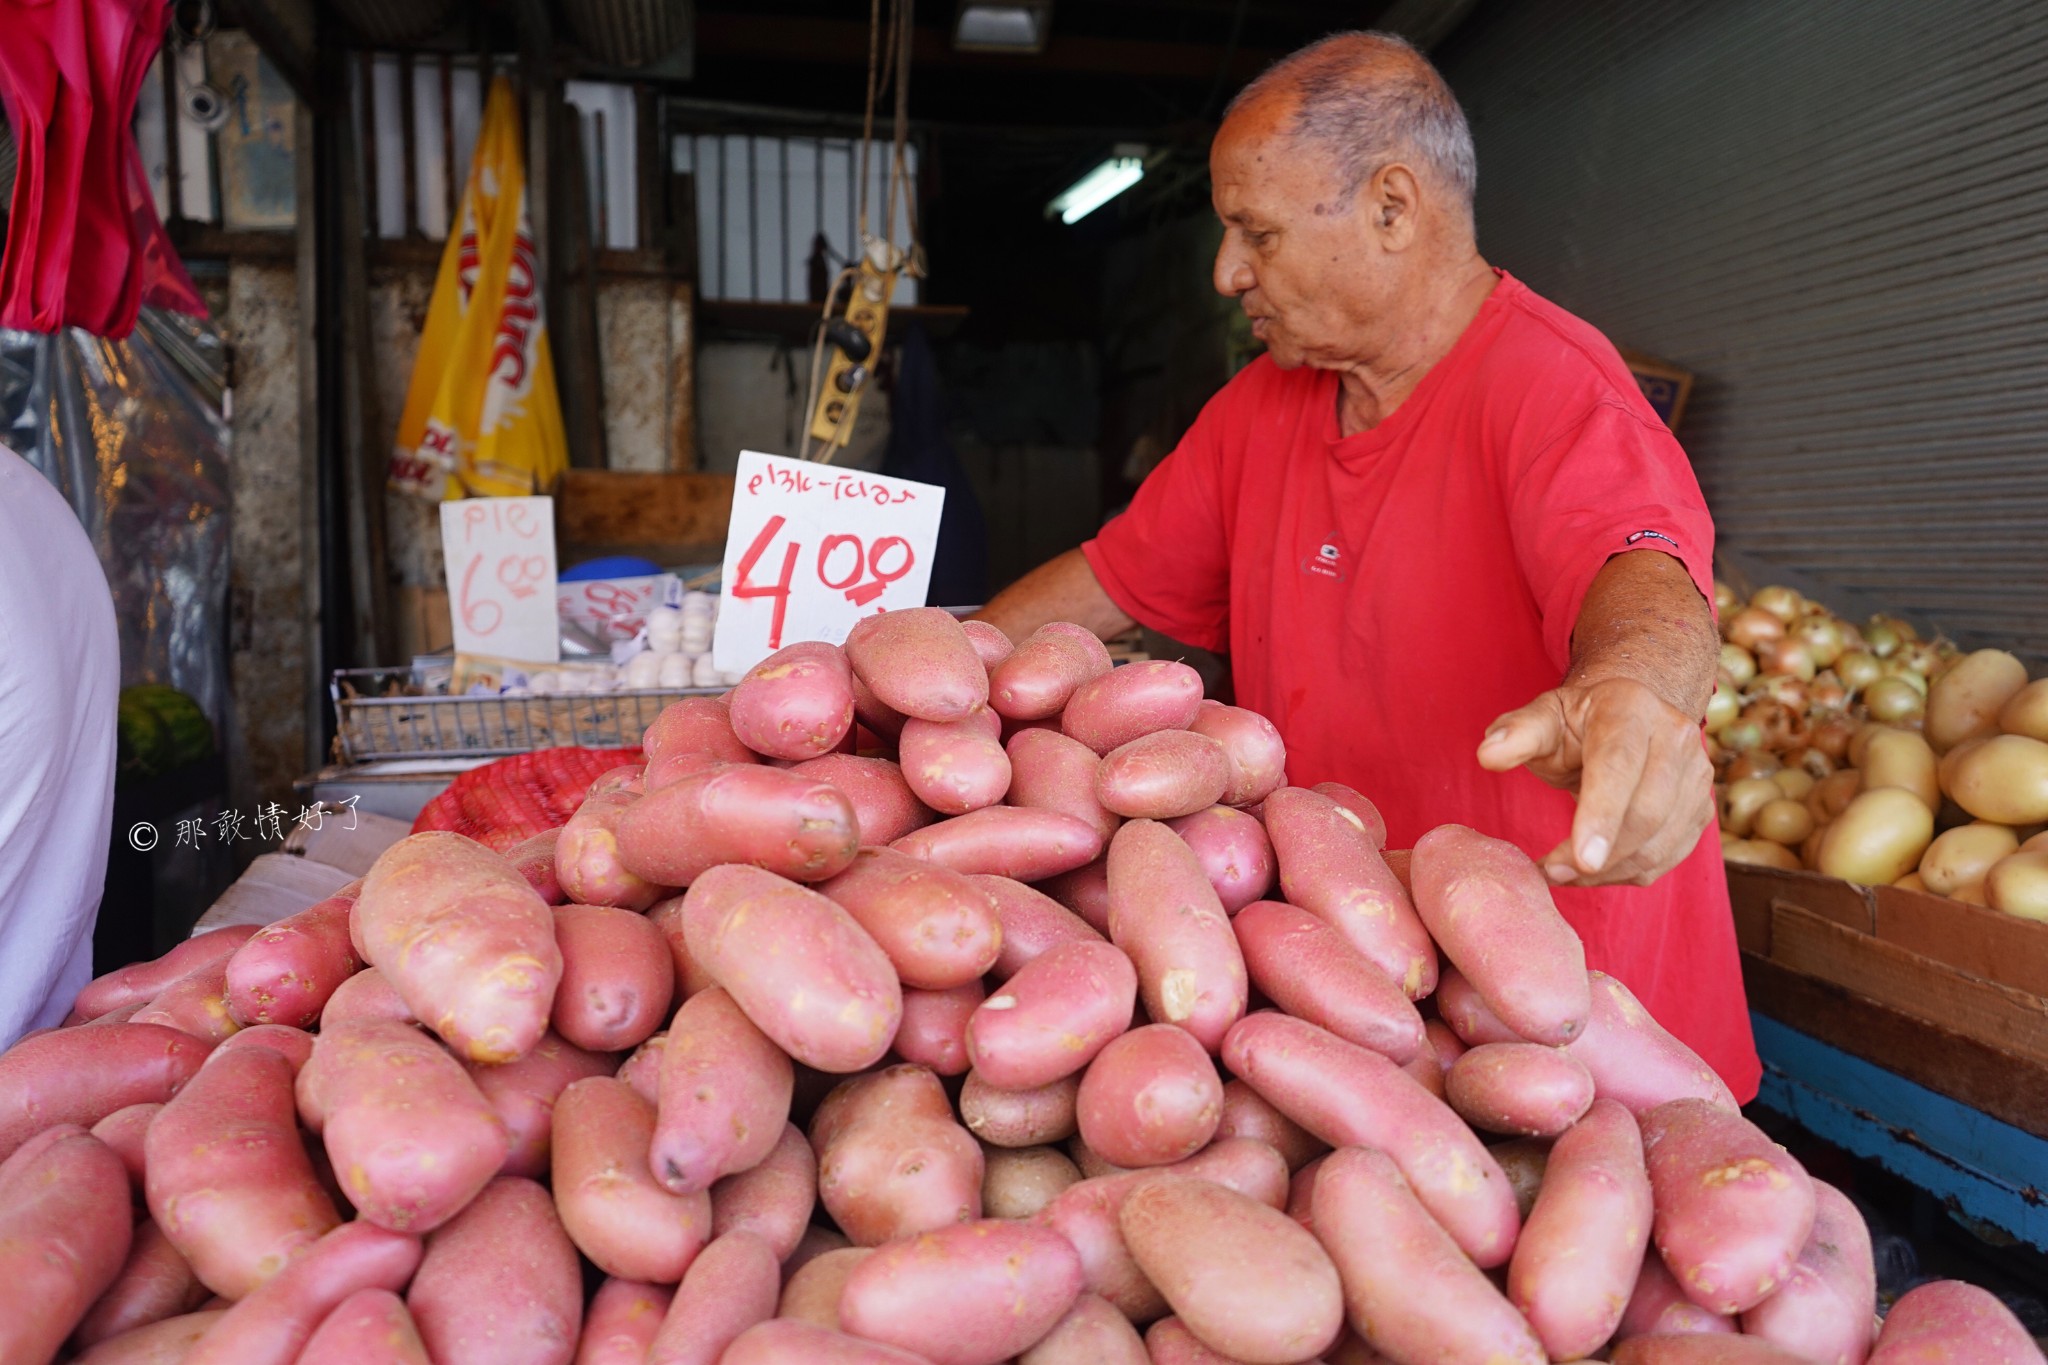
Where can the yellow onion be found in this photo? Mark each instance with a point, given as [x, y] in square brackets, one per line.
[1738, 663]
[1723, 707]
[1787, 657]
[1744, 798]
[1898, 666]
[1923, 659]
[1760, 853]
[1858, 669]
[1781, 602]
[1826, 693]
[1743, 736]
[1811, 761]
[1882, 638]
[1832, 734]
[1784, 688]
[1822, 637]
[1726, 599]
[1783, 727]
[1893, 700]
[1752, 763]
[1752, 628]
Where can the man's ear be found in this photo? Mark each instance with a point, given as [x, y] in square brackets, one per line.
[1393, 199]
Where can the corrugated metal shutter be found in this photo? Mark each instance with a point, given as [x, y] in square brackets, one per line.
[1835, 212]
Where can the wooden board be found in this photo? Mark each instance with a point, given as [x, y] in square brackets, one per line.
[1832, 899]
[2010, 1020]
[671, 518]
[2011, 1088]
[1970, 938]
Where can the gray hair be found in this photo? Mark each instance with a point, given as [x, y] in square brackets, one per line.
[1371, 99]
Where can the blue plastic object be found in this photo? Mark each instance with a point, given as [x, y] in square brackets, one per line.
[611, 566]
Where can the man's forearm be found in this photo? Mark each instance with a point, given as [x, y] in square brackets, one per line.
[1644, 619]
[1061, 589]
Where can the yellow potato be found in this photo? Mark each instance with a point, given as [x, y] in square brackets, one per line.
[1761, 853]
[2026, 713]
[1783, 821]
[1964, 702]
[1832, 794]
[2018, 885]
[1945, 771]
[1745, 799]
[1911, 882]
[2037, 844]
[1862, 738]
[1960, 856]
[1794, 782]
[1900, 758]
[1973, 894]
[1879, 838]
[2004, 780]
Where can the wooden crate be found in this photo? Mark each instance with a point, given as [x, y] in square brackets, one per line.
[1949, 995]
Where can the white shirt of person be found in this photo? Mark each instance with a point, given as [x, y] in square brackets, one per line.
[60, 681]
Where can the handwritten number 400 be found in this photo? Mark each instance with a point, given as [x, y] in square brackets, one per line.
[842, 561]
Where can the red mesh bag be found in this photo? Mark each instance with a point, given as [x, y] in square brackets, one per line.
[511, 800]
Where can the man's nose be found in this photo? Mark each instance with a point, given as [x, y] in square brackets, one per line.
[1232, 275]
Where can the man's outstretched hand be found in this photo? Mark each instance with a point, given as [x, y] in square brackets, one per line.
[1636, 762]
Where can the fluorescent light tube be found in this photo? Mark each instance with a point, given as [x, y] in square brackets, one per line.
[1000, 28]
[1108, 180]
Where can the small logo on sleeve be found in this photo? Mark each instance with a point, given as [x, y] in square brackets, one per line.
[1640, 536]
[1327, 561]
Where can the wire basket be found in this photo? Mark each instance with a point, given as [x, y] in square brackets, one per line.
[378, 718]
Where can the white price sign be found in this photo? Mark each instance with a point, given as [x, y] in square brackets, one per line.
[501, 577]
[812, 549]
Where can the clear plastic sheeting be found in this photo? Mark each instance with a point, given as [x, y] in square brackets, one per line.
[134, 434]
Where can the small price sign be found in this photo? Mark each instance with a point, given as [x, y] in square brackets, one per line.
[500, 554]
[812, 549]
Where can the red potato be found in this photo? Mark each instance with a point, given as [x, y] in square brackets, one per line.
[367, 995]
[883, 721]
[1329, 868]
[617, 977]
[81, 1075]
[295, 1045]
[797, 703]
[1407, 1287]
[937, 927]
[1301, 1193]
[369, 1327]
[155, 1283]
[1311, 971]
[1470, 1019]
[815, 1242]
[991, 646]
[1020, 1118]
[919, 661]
[801, 968]
[1164, 914]
[1658, 1307]
[196, 1003]
[1446, 1045]
[891, 1161]
[1169, 1342]
[811, 1294]
[690, 975]
[732, 1285]
[466, 942]
[1007, 841]
[1234, 853]
[934, 1029]
[1092, 1333]
[1948, 1320]
[1633, 1060]
[1037, 680]
[1018, 1182]
[1032, 923]
[1823, 1310]
[500, 1283]
[1092, 1163]
[1700, 1350]
[411, 1137]
[228, 1178]
[1246, 1114]
[795, 826]
[1085, 891]
[1733, 1207]
[1049, 771]
[1245, 1278]
[1521, 1088]
[1428, 1074]
[614, 1210]
[1258, 756]
[1488, 907]
[642, 1070]
[272, 1325]
[284, 973]
[783, 1341]
[1359, 808]
[161, 1343]
[1524, 1161]
[144, 981]
[587, 865]
[955, 766]
[972, 1294]
[1163, 776]
[1150, 1098]
[884, 807]
[64, 1238]
[624, 1316]
[1053, 1016]
[523, 1095]
[125, 1130]
[1582, 1247]
[693, 725]
[534, 859]
[1348, 1096]
[772, 1200]
[724, 1095]
[627, 777]
[1114, 708]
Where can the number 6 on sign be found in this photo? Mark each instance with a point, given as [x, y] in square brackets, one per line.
[812, 549]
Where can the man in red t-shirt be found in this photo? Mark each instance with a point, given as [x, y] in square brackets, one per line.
[1449, 549]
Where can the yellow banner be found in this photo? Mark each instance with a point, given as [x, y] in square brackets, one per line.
[482, 416]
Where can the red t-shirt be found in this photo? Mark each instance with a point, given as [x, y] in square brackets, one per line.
[1384, 596]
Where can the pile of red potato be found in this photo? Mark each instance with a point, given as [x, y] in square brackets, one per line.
[1001, 1050]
